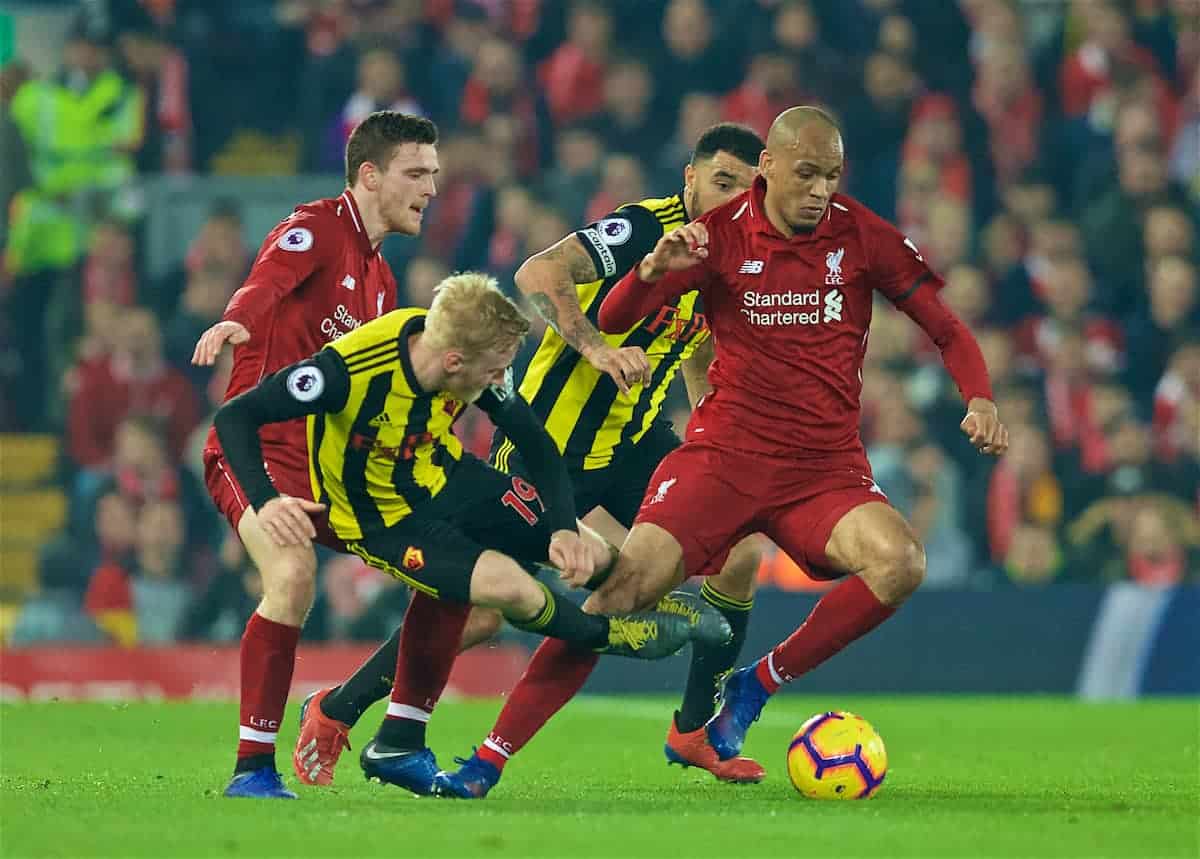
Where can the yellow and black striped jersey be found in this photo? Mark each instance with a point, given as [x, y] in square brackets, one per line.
[380, 445]
[582, 408]
[388, 450]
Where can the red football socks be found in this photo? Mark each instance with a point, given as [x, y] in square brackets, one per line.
[268, 656]
[429, 643]
[555, 673]
[846, 613]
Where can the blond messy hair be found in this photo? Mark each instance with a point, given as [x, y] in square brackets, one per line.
[471, 314]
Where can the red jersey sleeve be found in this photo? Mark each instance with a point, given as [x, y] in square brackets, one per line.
[295, 250]
[897, 266]
[632, 299]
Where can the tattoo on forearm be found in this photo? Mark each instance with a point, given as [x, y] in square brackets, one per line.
[545, 308]
[562, 311]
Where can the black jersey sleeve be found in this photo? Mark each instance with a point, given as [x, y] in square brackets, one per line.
[618, 241]
[517, 420]
[314, 385]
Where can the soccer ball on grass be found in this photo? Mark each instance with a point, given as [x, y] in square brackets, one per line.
[837, 756]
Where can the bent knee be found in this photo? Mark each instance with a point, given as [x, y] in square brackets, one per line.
[483, 623]
[901, 560]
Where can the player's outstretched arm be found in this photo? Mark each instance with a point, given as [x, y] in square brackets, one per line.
[319, 384]
[549, 279]
[513, 416]
[671, 269]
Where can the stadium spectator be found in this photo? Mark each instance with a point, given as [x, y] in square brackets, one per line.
[697, 111]
[769, 89]
[462, 181]
[1168, 231]
[935, 138]
[160, 596]
[1023, 488]
[1171, 317]
[621, 180]
[1050, 242]
[136, 379]
[221, 610]
[1034, 556]
[1112, 227]
[161, 71]
[207, 291]
[1099, 541]
[453, 56]
[948, 242]
[1177, 408]
[796, 32]
[80, 128]
[1067, 294]
[690, 60]
[381, 86]
[1158, 555]
[968, 294]
[572, 181]
[1031, 196]
[877, 124]
[626, 121]
[1002, 246]
[574, 76]
[1007, 98]
[218, 242]
[55, 613]
[1107, 49]
[499, 84]
[421, 279]
[80, 315]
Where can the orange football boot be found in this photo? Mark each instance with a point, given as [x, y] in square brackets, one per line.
[320, 742]
[694, 750]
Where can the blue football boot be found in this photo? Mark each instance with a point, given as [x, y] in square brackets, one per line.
[411, 770]
[265, 783]
[742, 700]
[473, 779]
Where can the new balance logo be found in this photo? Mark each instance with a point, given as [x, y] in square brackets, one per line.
[663, 488]
[832, 312]
[751, 266]
[380, 420]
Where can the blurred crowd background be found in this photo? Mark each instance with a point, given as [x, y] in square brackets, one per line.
[1045, 156]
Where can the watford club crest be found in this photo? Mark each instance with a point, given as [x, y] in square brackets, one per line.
[414, 559]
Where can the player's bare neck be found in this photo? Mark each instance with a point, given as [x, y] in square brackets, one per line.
[777, 220]
[426, 364]
[372, 218]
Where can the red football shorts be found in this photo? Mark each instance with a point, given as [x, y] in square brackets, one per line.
[231, 500]
[711, 497]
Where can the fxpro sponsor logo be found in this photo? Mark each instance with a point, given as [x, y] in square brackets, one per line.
[340, 323]
[805, 307]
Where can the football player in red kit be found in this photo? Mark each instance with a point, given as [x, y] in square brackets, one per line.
[787, 272]
[318, 275]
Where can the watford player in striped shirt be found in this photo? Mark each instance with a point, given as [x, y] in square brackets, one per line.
[600, 398]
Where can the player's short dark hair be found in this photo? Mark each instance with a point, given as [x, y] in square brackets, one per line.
[740, 141]
[376, 138]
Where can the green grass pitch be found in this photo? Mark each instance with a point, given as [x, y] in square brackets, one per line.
[969, 777]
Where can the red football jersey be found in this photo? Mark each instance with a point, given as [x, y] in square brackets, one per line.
[790, 319]
[316, 278]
